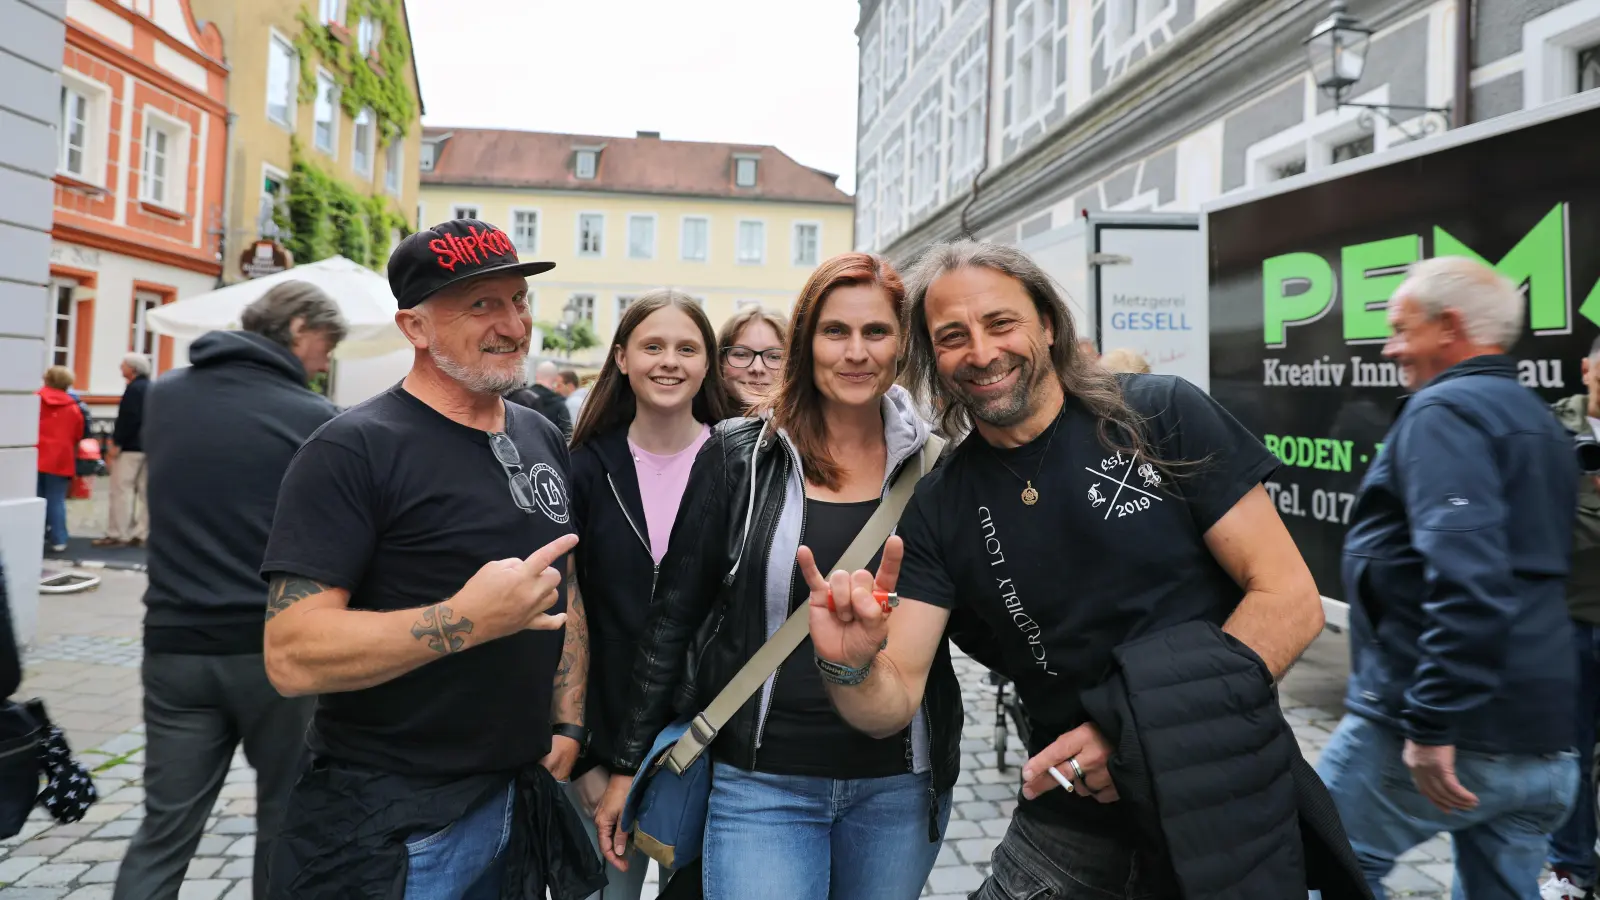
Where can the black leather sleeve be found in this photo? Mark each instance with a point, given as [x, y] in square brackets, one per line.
[688, 582]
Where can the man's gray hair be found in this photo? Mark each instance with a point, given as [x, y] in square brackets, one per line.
[1490, 306]
[272, 315]
[138, 362]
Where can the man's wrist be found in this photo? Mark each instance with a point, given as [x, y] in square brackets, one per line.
[844, 674]
[574, 732]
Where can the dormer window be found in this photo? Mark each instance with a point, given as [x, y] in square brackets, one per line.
[584, 165]
[744, 171]
[429, 149]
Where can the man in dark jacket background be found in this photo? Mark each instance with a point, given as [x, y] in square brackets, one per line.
[1572, 847]
[220, 435]
[542, 398]
[130, 498]
[1463, 680]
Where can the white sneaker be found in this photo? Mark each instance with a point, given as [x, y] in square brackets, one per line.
[1559, 888]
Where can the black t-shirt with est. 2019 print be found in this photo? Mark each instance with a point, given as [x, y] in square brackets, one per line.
[401, 506]
[1112, 550]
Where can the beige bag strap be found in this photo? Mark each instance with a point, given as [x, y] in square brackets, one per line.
[749, 679]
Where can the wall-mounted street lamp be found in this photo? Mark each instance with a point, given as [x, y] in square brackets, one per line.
[1337, 50]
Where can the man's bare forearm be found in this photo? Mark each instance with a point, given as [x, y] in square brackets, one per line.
[1278, 627]
[328, 648]
[880, 706]
[572, 674]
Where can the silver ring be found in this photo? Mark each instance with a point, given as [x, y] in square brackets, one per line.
[1078, 770]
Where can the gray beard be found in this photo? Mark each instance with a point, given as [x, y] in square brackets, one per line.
[475, 381]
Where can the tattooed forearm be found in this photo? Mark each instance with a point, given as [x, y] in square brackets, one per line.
[439, 632]
[572, 673]
[286, 590]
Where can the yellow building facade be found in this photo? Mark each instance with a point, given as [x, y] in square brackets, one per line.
[729, 225]
[297, 68]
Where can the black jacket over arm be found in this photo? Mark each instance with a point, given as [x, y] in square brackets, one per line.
[1203, 753]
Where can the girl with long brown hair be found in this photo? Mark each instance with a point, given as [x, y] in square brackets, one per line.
[802, 807]
[647, 416]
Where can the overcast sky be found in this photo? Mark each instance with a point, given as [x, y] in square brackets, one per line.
[742, 71]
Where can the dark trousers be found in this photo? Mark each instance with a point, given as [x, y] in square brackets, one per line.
[1039, 857]
[197, 710]
[1572, 846]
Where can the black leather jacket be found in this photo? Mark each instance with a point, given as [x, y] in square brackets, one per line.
[708, 615]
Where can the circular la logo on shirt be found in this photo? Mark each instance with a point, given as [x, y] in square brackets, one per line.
[550, 493]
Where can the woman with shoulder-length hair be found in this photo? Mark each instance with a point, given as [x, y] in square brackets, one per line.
[647, 416]
[750, 347]
[802, 807]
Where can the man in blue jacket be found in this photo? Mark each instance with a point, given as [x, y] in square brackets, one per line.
[1462, 676]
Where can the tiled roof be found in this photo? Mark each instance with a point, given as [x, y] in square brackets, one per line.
[648, 165]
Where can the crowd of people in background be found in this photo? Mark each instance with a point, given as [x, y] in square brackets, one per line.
[486, 597]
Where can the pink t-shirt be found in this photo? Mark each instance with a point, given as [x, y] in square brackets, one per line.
[662, 480]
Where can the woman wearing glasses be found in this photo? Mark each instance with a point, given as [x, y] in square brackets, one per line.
[647, 416]
[803, 807]
[751, 349]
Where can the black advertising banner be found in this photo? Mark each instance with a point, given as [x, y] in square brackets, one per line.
[1299, 283]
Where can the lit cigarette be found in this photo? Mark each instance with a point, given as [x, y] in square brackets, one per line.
[1061, 779]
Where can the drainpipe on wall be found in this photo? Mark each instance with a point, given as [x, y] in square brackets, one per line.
[1461, 109]
[227, 203]
[995, 12]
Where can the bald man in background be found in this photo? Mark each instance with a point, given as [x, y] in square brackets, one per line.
[542, 397]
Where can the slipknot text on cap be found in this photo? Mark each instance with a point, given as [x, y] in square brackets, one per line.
[477, 247]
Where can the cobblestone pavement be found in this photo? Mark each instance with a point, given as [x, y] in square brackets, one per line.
[84, 666]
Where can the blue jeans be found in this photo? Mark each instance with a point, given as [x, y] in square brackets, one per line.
[1499, 846]
[53, 488]
[466, 860]
[1572, 847]
[789, 837]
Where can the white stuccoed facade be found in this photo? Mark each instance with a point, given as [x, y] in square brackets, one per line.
[32, 35]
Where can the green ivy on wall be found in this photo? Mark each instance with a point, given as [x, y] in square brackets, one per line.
[388, 93]
[326, 217]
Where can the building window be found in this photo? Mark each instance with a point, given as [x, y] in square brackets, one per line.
[464, 212]
[925, 131]
[696, 239]
[429, 150]
[585, 164]
[272, 194]
[330, 10]
[1589, 68]
[641, 237]
[583, 304]
[871, 84]
[74, 133]
[892, 207]
[623, 302]
[1289, 169]
[967, 106]
[525, 230]
[807, 243]
[591, 234]
[366, 35]
[63, 343]
[752, 242]
[1361, 146]
[867, 209]
[158, 147]
[362, 143]
[282, 69]
[393, 165]
[1032, 43]
[744, 171]
[327, 114]
[895, 52]
[1133, 20]
[142, 339]
[930, 15]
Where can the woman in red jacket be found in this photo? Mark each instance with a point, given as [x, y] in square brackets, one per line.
[60, 429]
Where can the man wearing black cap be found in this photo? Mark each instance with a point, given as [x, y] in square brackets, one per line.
[419, 540]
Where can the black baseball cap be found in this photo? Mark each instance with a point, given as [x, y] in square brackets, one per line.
[450, 253]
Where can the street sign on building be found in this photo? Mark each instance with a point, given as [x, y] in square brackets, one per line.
[265, 258]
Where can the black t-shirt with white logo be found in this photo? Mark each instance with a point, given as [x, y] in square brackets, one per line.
[401, 506]
[1112, 550]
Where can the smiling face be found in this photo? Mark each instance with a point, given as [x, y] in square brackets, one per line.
[990, 344]
[753, 381]
[1420, 345]
[664, 360]
[476, 333]
[855, 346]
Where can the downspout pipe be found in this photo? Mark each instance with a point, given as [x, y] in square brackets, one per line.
[995, 12]
[228, 190]
[1461, 109]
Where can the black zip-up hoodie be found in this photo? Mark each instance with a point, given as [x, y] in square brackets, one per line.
[218, 437]
[616, 574]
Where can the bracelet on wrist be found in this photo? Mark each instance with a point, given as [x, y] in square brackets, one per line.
[841, 674]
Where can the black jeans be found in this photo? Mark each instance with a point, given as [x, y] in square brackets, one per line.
[197, 709]
[1040, 858]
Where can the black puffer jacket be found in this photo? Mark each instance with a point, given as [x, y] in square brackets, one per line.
[712, 608]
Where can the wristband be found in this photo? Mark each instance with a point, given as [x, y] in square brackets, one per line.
[575, 732]
[841, 674]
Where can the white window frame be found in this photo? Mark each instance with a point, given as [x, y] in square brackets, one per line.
[896, 45]
[592, 156]
[371, 149]
[921, 17]
[1033, 69]
[175, 187]
[738, 243]
[654, 234]
[430, 155]
[574, 297]
[70, 285]
[324, 76]
[265, 226]
[366, 35]
[1550, 45]
[96, 132]
[77, 114]
[1313, 140]
[892, 199]
[331, 11]
[514, 226]
[927, 127]
[683, 243]
[600, 251]
[394, 164]
[618, 306]
[277, 38]
[871, 74]
[739, 162]
[1148, 17]
[141, 339]
[466, 211]
[867, 207]
[967, 123]
[794, 243]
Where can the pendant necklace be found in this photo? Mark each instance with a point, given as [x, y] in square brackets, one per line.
[1030, 494]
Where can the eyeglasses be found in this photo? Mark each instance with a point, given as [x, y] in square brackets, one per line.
[521, 486]
[740, 357]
